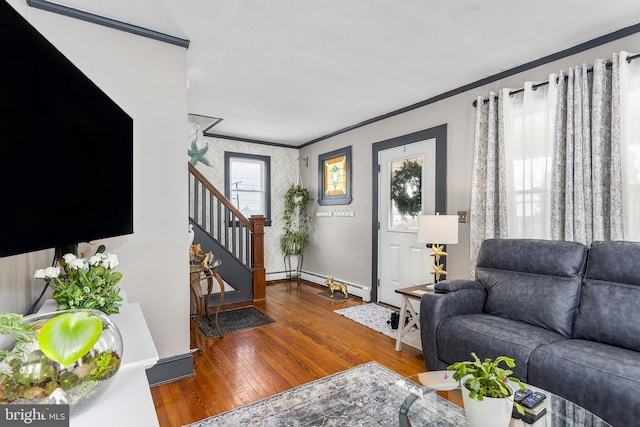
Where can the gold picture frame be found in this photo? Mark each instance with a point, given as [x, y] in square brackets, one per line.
[334, 177]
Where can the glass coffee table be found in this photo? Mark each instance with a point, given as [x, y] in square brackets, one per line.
[439, 393]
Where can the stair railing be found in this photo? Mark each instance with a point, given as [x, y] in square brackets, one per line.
[241, 237]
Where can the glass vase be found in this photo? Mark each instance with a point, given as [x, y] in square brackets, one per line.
[35, 378]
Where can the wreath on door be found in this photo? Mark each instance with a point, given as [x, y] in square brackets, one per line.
[406, 188]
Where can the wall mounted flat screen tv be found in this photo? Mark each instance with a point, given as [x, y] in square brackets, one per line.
[66, 149]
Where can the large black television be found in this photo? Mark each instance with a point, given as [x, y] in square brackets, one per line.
[66, 149]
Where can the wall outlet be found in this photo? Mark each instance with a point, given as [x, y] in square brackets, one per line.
[462, 217]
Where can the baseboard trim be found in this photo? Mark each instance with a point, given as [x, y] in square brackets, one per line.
[356, 289]
[171, 369]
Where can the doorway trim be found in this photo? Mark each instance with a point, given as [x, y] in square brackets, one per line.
[439, 133]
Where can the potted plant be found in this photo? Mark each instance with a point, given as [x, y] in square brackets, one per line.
[66, 357]
[296, 224]
[486, 393]
[86, 283]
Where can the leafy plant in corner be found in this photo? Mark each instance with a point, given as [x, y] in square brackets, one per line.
[486, 378]
[296, 220]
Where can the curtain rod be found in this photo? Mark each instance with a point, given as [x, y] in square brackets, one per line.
[546, 82]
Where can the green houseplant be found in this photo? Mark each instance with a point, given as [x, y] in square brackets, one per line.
[65, 357]
[296, 220]
[296, 224]
[486, 380]
[86, 283]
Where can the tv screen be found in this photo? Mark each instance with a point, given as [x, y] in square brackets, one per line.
[66, 149]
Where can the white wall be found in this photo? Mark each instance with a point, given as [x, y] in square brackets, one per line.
[341, 247]
[148, 80]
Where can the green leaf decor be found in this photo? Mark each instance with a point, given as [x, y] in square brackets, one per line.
[69, 336]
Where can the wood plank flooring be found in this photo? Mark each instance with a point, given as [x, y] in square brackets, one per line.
[307, 342]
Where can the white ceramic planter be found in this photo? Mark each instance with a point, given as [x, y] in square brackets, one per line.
[488, 412]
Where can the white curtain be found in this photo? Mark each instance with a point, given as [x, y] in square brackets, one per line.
[630, 144]
[488, 217]
[529, 119]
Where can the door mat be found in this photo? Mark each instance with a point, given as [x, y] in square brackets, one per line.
[337, 296]
[234, 321]
[371, 315]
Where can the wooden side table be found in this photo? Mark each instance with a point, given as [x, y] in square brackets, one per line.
[197, 273]
[408, 294]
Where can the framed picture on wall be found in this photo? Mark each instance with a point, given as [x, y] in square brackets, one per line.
[334, 177]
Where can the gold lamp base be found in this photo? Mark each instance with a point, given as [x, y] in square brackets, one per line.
[438, 269]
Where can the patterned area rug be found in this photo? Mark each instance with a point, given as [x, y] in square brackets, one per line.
[373, 316]
[366, 395]
[233, 321]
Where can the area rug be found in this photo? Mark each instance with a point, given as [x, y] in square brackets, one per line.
[366, 395]
[373, 316]
[337, 296]
[233, 321]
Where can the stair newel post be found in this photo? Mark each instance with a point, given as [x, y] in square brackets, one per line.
[257, 258]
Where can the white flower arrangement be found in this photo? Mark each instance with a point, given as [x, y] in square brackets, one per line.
[88, 283]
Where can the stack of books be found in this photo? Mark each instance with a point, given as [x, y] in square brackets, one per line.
[535, 406]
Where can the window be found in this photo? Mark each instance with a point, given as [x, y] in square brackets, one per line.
[248, 183]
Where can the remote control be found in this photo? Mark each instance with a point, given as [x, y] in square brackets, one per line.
[521, 394]
[532, 400]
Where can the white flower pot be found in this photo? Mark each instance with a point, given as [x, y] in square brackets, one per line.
[488, 412]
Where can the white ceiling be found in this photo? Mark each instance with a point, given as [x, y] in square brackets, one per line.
[291, 71]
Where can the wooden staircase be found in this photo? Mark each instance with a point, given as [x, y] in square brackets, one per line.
[239, 242]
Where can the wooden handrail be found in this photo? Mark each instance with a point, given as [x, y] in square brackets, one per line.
[195, 172]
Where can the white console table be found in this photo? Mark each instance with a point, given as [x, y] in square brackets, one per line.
[127, 401]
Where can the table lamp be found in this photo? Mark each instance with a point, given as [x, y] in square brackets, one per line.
[438, 230]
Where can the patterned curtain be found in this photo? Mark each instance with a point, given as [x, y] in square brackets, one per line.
[586, 201]
[488, 217]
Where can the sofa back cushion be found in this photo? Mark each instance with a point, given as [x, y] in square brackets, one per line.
[533, 281]
[609, 310]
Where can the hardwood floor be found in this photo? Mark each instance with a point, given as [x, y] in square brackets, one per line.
[307, 342]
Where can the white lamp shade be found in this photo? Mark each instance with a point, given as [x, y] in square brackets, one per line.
[438, 229]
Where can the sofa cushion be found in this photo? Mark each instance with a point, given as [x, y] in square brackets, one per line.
[608, 311]
[490, 336]
[533, 281]
[601, 378]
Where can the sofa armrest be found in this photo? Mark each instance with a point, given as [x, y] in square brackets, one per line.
[451, 298]
[457, 285]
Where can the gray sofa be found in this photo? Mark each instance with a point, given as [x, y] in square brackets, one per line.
[569, 315]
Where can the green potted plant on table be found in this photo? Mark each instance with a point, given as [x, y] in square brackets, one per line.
[66, 357]
[86, 283]
[486, 392]
[296, 225]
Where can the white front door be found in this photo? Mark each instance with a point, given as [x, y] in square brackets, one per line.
[402, 261]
